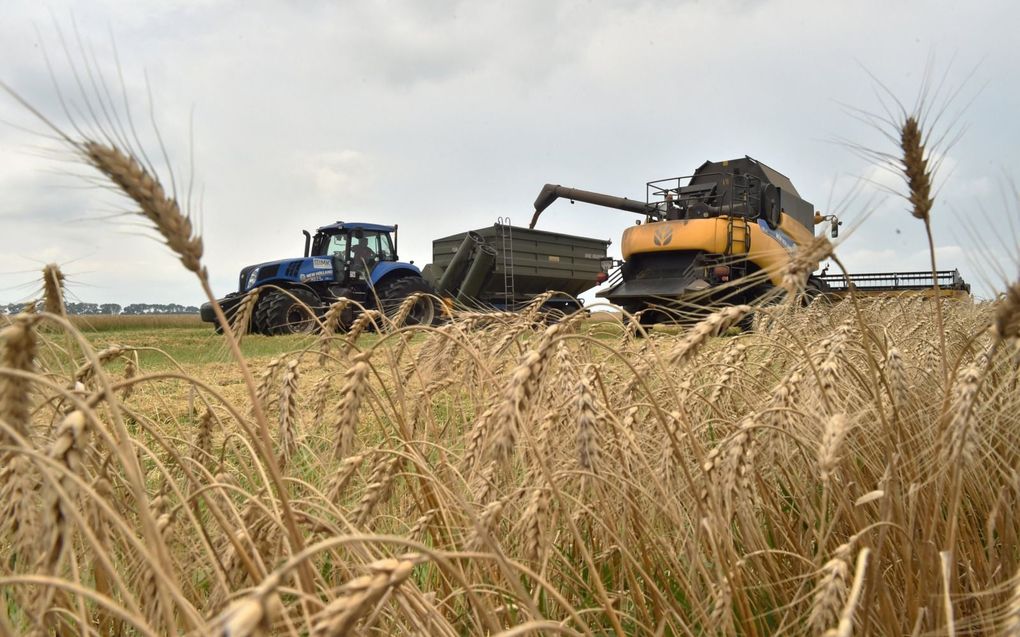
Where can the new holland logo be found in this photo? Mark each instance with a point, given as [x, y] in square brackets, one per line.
[663, 236]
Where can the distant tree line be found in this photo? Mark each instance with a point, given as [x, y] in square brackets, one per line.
[89, 309]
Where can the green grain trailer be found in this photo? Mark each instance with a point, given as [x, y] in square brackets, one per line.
[508, 266]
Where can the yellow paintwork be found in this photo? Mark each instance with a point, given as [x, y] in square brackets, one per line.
[710, 235]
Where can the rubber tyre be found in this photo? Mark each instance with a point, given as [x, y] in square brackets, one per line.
[291, 312]
[393, 292]
[815, 288]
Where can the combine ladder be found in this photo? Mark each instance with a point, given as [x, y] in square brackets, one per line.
[738, 233]
[506, 235]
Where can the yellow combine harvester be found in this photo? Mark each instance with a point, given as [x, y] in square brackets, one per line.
[721, 235]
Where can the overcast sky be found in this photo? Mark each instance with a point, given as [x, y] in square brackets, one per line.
[441, 116]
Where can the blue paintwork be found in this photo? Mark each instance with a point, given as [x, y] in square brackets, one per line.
[320, 269]
[784, 239]
[310, 270]
[383, 268]
[340, 226]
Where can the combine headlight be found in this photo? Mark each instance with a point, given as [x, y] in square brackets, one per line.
[251, 279]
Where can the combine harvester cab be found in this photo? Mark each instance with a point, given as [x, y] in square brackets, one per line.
[505, 267]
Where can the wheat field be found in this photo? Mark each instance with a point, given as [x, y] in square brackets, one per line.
[847, 466]
[831, 470]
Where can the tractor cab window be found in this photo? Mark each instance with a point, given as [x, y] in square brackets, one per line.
[355, 246]
[337, 246]
[371, 246]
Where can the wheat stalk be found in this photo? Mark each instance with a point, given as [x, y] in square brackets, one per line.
[960, 438]
[331, 321]
[803, 262]
[378, 488]
[844, 628]
[265, 385]
[348, 468]
[66, 449]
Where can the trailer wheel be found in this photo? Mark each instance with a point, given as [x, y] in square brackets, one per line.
[290, 312]
[393, 292]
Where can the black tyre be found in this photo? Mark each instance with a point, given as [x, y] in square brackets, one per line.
[393, 292]
[814, 289]
[290, 312]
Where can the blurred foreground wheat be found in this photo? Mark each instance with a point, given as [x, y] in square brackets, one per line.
[565, 478]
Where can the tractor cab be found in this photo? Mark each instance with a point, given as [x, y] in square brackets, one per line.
[354, 248]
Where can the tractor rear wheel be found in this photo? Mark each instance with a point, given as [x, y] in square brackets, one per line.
[392, 294]
[286, 312]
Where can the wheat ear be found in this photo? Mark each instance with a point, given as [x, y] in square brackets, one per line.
[19, 351]
[351, 395]
[163, 211]
[289, 410]
[830, 594]
[587, 442]
[240, 322]
[53, 290]
[915, 168]
[361, 593]
[712, 325]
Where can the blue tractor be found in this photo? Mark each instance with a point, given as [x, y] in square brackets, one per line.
[353, 260]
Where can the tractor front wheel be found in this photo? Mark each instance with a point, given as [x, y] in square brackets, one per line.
[286, 312]
[393, 293]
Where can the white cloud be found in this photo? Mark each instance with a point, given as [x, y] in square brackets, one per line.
[337, 175]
